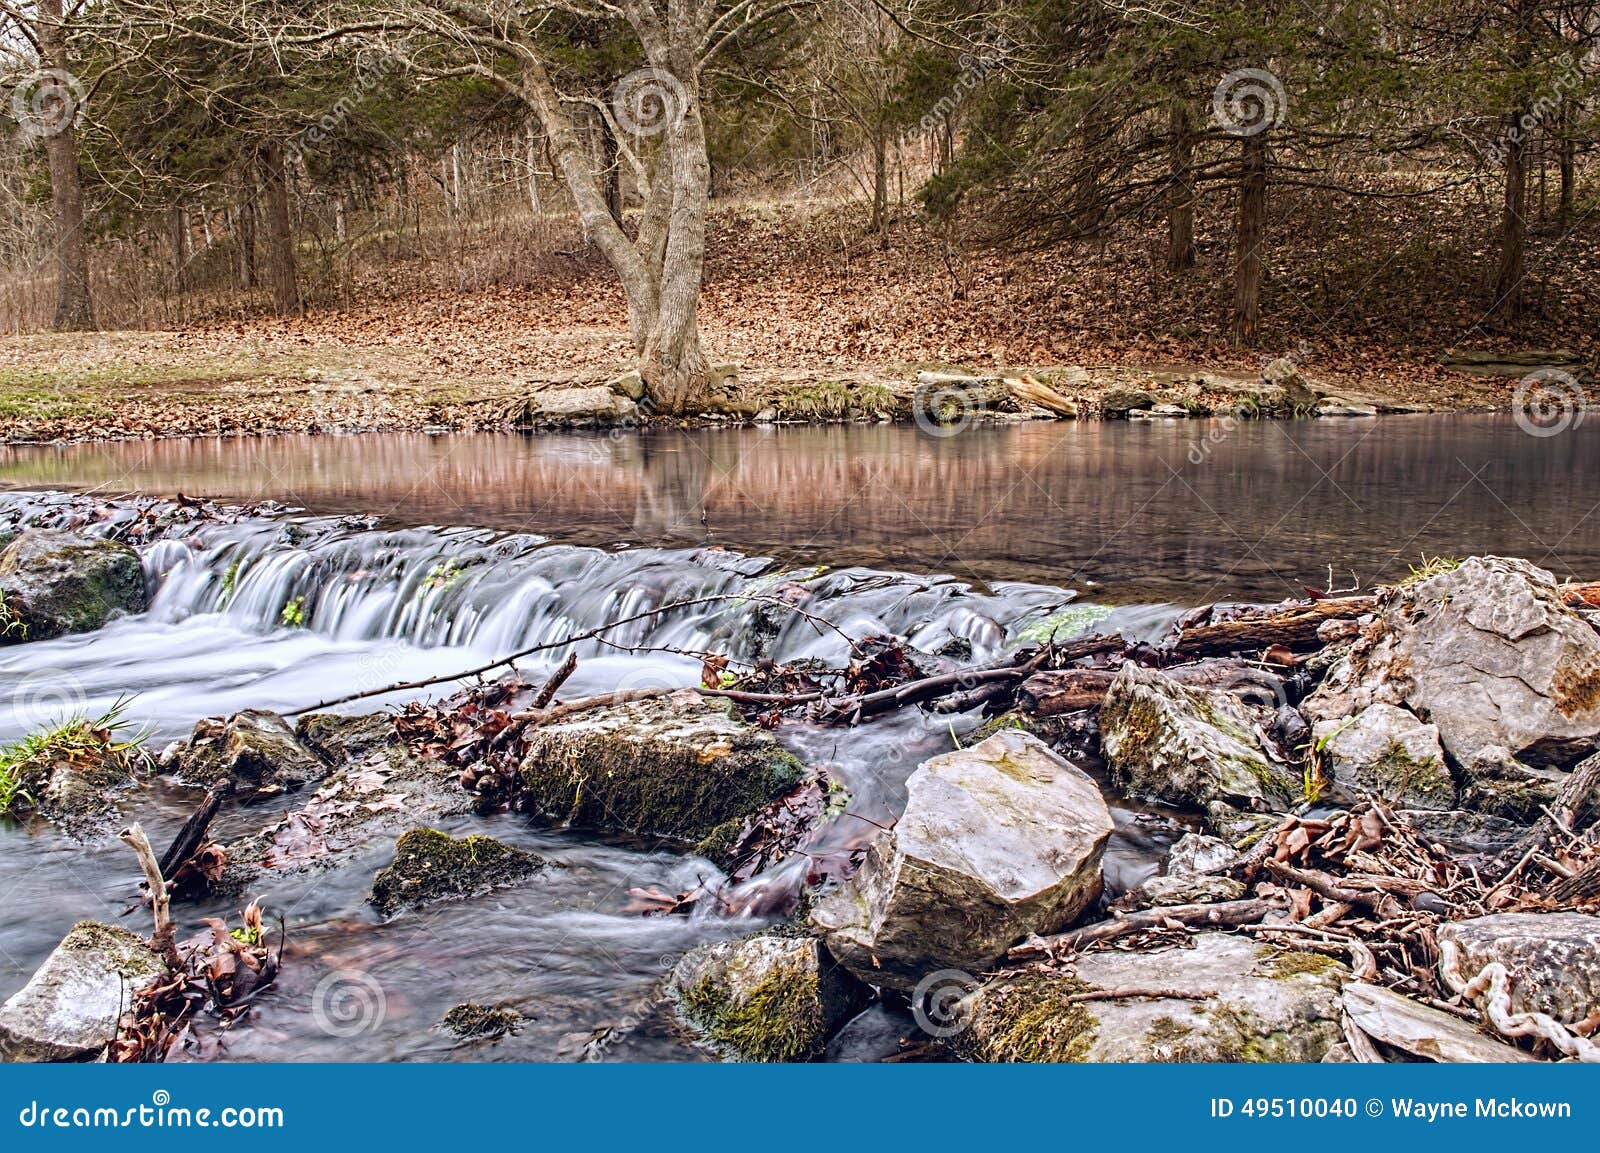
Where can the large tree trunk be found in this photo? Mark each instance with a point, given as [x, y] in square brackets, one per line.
[880, 177]
[280, 232]
[73, 310]
[1513, 229]
[247, 237]
[1568, 147]
[1250, 237]
[1181, 191]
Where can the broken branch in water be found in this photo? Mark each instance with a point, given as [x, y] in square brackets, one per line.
[162, 940]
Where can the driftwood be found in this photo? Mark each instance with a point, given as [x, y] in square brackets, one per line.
[193, 833]
[162, 940]
[1216, 915]
[1048, 693]
[1294, 628]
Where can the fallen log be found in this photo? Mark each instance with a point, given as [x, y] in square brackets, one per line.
[1294, 628]
[193, 833]
[1065, 690]
[1216, 915]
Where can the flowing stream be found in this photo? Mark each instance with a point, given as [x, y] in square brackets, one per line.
[420, 556]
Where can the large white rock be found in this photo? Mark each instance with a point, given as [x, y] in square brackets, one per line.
[1387, 751]
[1553, 958]
[997, 841]
[1242, 1001]
[1488, 653]
[1187, 745]
[68, 1010]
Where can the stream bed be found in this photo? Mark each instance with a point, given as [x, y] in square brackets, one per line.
[418, 556]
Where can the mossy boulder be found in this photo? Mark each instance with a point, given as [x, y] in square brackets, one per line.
[1496, 783]
[768, 997]
[431, 866]
[68, 1010]
[255, 748]
[1387, 751]
[1188, 746]
[56, 583]
[1243, 1002]
[997, 841]
[679, 766]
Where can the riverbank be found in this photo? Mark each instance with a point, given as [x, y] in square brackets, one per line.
[819, 322]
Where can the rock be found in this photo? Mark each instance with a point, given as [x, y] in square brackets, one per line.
[1335, 406]
[83, 796]
[68, 1010]
[1298, 393]
[679, 766]
[1400, 1023]
[1160, 412]
[1187, 745]
[1480, 362]
[1251, 1003]
[474, 1022]
[997, 841]
[56, 583]
[1387, 751]
[769, 997]
[1117, 403]
[255, 748]
[578, 408]
[337, 738]
[360, 803]
[1498, 784]
[768, 415]
[630, 385]
[1195, 853]
[431, 866]
[1464, 831]
[1181, 889]
[1487, 652]
[1553, 958]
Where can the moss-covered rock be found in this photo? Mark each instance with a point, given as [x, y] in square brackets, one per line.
[678, 766]
[56, 583]
[68, 1010]
[1188, 746]
[768, 997]
[431, 866]
[1387, 751]
[1245, 1002]
[255, 748]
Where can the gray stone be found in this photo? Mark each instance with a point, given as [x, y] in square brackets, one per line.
[255, 748]
[1387, 751]
[679, 766]
[1187, 745]
[56, 583]
[1119, 402]
[1247, 1002]
[768, 997]
[997, 841]
[630, 385]
[1182, 889]
[1333, 406]
[68, 1010]
[1299, 394]
[1486, 651]
[1553, 958]
[1401, 1023]
[1495, 782]
[1195, 853]
[579, 407]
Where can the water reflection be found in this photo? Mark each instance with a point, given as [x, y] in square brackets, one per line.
[1183, 511]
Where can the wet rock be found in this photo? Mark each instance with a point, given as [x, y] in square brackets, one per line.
[337, 738]
[1188, 745]
[1387, 751]
[84, 797]
[1299, 394]
[1250, 1003]
[255, 748]
[769, 997]
[1485, 651]
[1117, 403]
[1464, 831]
[680, 766]
[1195, 853]
[1181, 889]
[430, 866]
[474, 1022]
[1418, 1031]
[56, 583]
[359, 805]
[68, 1010]
[1336, 406]
[997, 841]
[1553, 958]
[1498, 784]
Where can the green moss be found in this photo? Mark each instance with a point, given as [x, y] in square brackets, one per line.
[1065, 624]
[1282, 964]
[781, 1019]
[1396, 773]
[127, 952]
[432, 866]
[1167, 1031]
[1029, 1018]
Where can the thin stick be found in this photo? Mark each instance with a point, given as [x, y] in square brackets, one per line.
[162, 940]
[557, 679]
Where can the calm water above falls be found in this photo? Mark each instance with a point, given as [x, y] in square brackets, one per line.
[1184, 511]
[1020, 519]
